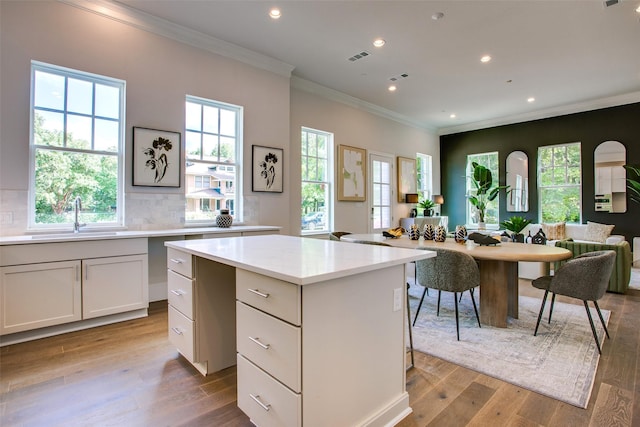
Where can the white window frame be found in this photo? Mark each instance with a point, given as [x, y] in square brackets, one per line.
[424, 164]
[471, 189]
[328, 180]
[119, 154]
[540, 187]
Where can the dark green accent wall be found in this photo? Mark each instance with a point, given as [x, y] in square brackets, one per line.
[590, 128]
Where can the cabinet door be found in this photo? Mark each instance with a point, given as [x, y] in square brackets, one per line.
[114, 285]
[37, 295]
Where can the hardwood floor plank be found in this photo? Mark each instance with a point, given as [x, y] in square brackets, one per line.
[465, 406]
[502, 408]
[613, 407]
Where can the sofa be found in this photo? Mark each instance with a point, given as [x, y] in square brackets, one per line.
[575, 237]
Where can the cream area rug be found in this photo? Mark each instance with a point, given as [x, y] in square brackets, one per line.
[560, 362]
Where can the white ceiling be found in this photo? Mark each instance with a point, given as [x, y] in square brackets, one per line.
[569, 55]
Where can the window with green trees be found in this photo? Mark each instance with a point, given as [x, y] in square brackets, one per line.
[316, 160]
[77, 132]
[559, 183]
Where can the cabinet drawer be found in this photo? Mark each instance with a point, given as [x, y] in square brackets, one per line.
[181, 332]
[180, 262]
[180, 293]
[270, 343]
[276, 297]
[265, 400]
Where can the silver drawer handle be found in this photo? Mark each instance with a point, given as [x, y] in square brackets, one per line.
[266, 407]
[177, 261]
[257, 341]
[257, 292]
[178, 292]
[176, 330]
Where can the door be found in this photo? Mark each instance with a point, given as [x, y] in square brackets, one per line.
[381, 190]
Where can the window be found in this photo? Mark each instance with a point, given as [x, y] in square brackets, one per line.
[559, 183]
[425, 174]
[490, 161]
[317, 193]
[213, 155]
[77, 133]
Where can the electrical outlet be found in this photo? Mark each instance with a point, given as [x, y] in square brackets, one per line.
[397, 299]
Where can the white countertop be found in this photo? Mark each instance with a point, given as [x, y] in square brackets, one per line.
[103, 235]
[299, 260]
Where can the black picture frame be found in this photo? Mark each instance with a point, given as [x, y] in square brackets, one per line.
[267, 169]
[156, 158]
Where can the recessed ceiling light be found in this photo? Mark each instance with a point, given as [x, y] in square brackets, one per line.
[437, 16]
[531, 99]
[453, 116]
[485, 58]
[392, 88]
[638, 9]
[275, 13]
[379, 42]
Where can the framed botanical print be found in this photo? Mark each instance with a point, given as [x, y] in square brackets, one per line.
[352, 173]
[156, 158]
[267, 169]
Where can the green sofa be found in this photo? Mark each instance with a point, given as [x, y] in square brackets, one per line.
[621, 274]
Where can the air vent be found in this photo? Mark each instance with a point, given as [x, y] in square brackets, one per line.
[360, 55]
[608, 3]
[399, 77]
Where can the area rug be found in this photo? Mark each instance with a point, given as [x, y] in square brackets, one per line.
[560, 362]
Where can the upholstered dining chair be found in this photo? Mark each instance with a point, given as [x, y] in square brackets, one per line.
[450, 271]
[585, 277]
[335, 235]
[369, 242]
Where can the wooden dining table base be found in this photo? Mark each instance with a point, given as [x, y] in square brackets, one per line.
[498, 292]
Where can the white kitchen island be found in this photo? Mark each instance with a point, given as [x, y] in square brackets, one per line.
[316, 327]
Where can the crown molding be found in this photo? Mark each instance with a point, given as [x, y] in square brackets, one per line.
[162, 27]
[334, 95]
[593, 104]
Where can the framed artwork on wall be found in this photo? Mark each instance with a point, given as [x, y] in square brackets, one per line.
[267, 169]
[352, 174]
[156, 158]
[407, 179]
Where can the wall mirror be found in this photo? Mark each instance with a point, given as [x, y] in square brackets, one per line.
[610, 177]
[518, 180]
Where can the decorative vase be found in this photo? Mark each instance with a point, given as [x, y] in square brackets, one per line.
[540, 238]
[517, 237]
[414, 232]
[482, 225]
[428, 232]
[440, 234]
[224, 220]
[461, 234]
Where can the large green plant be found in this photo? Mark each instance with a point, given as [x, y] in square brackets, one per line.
[485, 192]
[633, 183]
[515, 224]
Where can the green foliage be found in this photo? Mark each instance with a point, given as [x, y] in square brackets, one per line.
[515, 224]
[633, 182]
[485, 192]
[426, 204]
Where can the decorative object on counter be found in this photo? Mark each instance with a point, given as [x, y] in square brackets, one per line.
[413, 213]
[156, 158]
[539, 238]
[529, 238]
[483, 239]
[427, 207]
[516, 224]
[505, 237]
[485, 192]
[461, 234]
[414, 232]
[224, 220]
[393, 233]
[440, 234]
[267, 173]
[428, 232]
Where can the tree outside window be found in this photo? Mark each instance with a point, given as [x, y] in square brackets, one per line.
[317, 207]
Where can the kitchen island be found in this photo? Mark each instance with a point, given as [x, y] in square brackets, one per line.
[316, 327]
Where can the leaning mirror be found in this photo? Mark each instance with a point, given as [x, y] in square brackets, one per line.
[610, 177]
[518, 181]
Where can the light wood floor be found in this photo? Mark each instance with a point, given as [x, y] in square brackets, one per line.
[128, 374]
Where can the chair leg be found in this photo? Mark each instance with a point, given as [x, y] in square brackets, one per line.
[419, 306]
[438, 311]
[544, 300]
[473, 300]
[462, 293]
[593, 328]
[410, 332]
[553, 300]
[601, 319]
[455, 300]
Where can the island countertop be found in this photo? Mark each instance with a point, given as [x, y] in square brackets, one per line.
[298, 260]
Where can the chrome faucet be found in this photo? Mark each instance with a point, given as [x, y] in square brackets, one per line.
[78, 207]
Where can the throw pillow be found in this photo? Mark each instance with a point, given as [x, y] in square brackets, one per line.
[554, 231]
[596, 232]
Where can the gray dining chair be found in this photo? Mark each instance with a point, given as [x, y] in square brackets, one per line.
[371, 242]
[585, 277]
[449, 271]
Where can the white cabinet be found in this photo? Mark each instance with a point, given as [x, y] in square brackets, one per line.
[40, 295]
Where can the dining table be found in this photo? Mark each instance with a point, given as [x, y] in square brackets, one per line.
[498, 265]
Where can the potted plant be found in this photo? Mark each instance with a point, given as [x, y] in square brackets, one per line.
[485, 192]
[516, 224]
[633, 182]
[427, 207]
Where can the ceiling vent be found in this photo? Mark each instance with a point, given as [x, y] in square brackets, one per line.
[608, 3]
[360, 55]
[399, 77]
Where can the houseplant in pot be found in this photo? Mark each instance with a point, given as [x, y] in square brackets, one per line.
[515, 225]
[427, 207]
[485, 192]
[633, 182]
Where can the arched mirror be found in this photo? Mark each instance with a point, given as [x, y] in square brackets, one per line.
[610, 177]
[518, 180]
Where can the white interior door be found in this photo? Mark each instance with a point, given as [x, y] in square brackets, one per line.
[381, 191]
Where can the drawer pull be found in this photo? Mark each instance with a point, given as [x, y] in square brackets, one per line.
[266, 407]
[176, 330]
[257, 292]
[178, 292]
[177, 261]
[257, 341]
